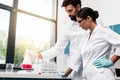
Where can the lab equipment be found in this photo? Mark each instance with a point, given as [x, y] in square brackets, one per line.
[26, 64]
[9, 67]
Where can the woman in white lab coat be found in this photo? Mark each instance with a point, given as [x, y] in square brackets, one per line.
[98, 43]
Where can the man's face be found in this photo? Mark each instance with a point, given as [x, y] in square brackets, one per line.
[71, 11]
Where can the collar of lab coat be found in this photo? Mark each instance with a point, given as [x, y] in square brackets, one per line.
[74, 22]
[95, 29]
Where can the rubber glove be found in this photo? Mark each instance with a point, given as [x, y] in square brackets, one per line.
[62, 74]
[102, 62]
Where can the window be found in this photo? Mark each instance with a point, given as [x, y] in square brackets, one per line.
[4, 26]
[44, 8]
[6, 2]
[26, 27]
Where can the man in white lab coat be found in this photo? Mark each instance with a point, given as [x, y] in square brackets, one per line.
[72, 33]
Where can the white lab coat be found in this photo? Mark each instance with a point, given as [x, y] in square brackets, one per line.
[74, 34]
[98, 45]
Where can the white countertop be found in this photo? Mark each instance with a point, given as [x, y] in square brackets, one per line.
[29, 74]
[117, 78]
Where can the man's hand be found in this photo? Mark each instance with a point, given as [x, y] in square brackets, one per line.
[102, 62]
[40, 56]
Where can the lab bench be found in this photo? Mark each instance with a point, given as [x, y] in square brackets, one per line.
[117, 78]
[30, 76]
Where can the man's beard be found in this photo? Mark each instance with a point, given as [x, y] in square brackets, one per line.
[73, 18]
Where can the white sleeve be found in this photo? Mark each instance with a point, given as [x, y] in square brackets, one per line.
[58, 48]
[77, 63]
[114, 39]
[111, 37]
[117, 51]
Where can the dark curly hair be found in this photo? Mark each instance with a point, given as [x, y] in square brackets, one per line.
[72, 2]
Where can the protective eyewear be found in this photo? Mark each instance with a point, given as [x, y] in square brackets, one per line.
[80, 21]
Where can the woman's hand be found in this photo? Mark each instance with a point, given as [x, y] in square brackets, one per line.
[103, 62]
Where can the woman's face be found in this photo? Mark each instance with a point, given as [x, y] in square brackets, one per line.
[83, 23]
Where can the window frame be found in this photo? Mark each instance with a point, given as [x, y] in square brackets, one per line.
[12, 28]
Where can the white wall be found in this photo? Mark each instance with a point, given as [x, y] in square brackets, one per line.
[108, 10]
